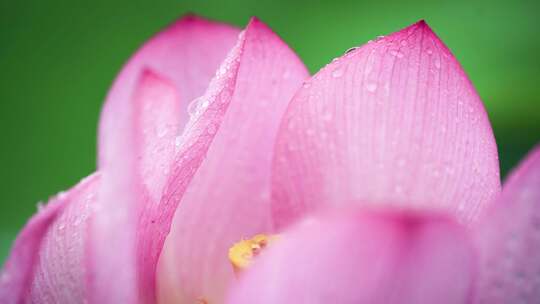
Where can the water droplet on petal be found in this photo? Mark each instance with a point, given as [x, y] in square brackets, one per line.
[178, 142]
[192, 107]
[371, 87]
[351, 50]
[5, 277]
[397, 54]
[337, 72]
[437, 63]
[161, 131]
[286, 74]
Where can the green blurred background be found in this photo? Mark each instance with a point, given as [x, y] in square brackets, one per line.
[58, 58]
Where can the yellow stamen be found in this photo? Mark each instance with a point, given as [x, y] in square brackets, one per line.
[242, 253]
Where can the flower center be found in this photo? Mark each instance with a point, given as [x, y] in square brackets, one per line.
[244, 252]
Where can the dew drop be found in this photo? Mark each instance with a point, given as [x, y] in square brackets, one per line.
[178, 141]
[161, 131]
[306, 85]
[403, 42]
[371, 87]
[286, 74]
[4, 277]
[397, 54]
[351, 50]
[193, 107]
[429, 51]
[77, 222]
[437, 63]
[62, 195]
[337, 72]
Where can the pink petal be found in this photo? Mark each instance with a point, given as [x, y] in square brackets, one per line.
[157, 113]
[508, 240]
[143, 114]
[228, 197]
[44, 247]
[363, 258]
[59, 276]
[395, 121]
[187, 52]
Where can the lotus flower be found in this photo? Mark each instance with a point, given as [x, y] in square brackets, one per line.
[374, 181]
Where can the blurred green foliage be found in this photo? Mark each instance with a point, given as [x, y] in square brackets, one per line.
[58, 58]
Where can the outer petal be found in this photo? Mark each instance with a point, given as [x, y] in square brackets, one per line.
[395, 121]
[363, 258]
[46, 233]
[59, 276]
[228, 197]
[508, 240]
[143, 114]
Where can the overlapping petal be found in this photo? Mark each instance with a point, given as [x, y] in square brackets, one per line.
[45, 261]
[228, 197]
[187, 53]
[146, 109]
[395, 121]
[363, 258]
[508, 240]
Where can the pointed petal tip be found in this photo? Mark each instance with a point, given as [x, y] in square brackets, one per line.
[255, 20]
[191, 17]
[530, 160]
[256, 24]
[149, 73]
[152, 76]
[405, 69]
[421, 24]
